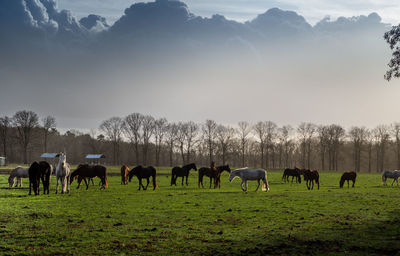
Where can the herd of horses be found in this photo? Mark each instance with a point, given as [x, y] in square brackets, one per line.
[42, 171]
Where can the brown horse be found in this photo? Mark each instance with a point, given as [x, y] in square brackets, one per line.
[144, 173]
[295, 173]
[39, 171]
[90, 171]
[213, 173]
[348, 176]
[310, 177]
[124, 174]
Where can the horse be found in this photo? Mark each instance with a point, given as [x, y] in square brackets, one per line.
[310, 177]
[124, 174]
[18, 173]
[348, 176]
[144, 173]
[34, 178]
[212, 173]
[63, 173]
[390, 174]
[182, 172]
[247, 174]
[295, 173]
[220, 170]
[90, 171]
[46, 170]
[39, 171]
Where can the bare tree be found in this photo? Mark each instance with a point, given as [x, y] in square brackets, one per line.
[358, 136]
[113, 130]
[336, 134]
[381, 134]
[224, 136]
[160, 129]
[49, 123]
[323, 143]
[172, 130]
[25, 122]
[191, 132]
[209, 131]
[5, 125]
[369, 138]
[270, 130]
[395, 130]
[148, 130]
[306, 132]
[132, 129]
[243, 131]
[284, 144]
[260, 130]
[181, 139]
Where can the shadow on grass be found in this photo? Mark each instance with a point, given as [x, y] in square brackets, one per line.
[374, 238]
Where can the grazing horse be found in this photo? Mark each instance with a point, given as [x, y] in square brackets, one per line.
[390, 174]
[220, 170]
[63, 173]
[295, 173]
[18, 173]
[310, 177]
[182, 172]
[90, 171]
[348, 176]
[213, 173]
[124, 174]
[247, 174]
[144, 173]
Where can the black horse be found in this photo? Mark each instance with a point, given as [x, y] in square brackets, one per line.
[182, 172]
[144, 173]
[213, 174]
[310, 177]
[39, 171]
[295, 173]
[348, 176]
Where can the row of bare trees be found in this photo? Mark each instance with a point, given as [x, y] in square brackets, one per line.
[143, 139]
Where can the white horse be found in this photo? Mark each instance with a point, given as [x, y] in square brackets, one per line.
[63, 173]
[390, 174]
[18, 173]
[247, 174]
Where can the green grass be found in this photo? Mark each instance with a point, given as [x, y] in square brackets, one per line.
[121, 220]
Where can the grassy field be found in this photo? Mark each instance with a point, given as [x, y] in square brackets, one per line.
[121, 220]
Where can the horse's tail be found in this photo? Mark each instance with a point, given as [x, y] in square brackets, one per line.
[341, 181]
[265, 186]
[155, 181]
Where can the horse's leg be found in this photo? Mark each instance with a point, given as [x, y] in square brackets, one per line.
[393, 182]
[30, 187]
[187, 184]
[241, 185]
[44, 185]
[57, 185]
[148, 181]
[258, 185]
[140, 183]
[87, 183]
[183, 179]
[211, 181]
[354, 181]
[245, 184]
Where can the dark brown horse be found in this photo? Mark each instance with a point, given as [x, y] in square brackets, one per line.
[124, 174]
[39, 171]
[85, 171]
[310, 177]
[348, 176]
[213, 174]
[144, 173]
[295, 173]
[182, 172]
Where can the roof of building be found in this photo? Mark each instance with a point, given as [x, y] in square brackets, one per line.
[95, 156]
[49, 155]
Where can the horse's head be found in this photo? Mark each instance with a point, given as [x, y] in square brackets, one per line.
[232, 175]
[134, 172]
[11, 181]
[227, 168]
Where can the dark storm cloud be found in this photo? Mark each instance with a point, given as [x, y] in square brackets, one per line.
[159, 57]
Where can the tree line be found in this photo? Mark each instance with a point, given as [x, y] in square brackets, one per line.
[143, 139]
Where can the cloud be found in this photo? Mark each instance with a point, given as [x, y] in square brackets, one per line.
[94, 23]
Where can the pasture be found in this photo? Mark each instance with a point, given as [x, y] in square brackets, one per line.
[289, 219]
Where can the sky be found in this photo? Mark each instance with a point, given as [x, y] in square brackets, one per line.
[251, 62]
[243, 10]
